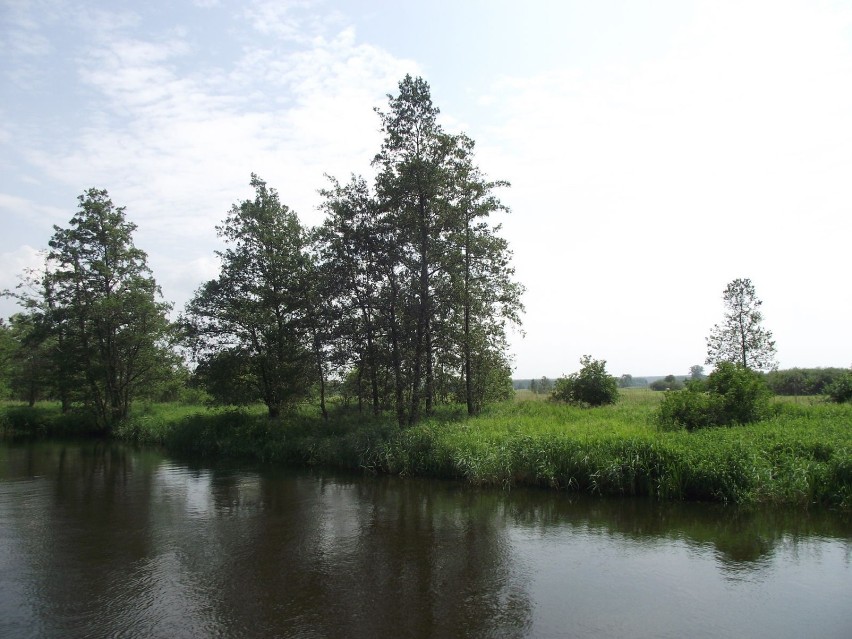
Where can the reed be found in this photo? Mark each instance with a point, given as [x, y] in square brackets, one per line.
[801, 454]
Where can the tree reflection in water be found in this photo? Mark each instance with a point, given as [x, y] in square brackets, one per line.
[100, 539]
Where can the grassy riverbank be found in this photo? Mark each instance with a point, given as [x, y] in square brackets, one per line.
[801, 455]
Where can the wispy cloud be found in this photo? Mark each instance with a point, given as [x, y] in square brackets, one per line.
[299, 21]
[13, 267]
[174, 137]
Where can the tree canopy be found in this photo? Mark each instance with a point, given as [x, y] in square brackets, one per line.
[94, 324]
[248, 327]
[428, 287]
[403, 294]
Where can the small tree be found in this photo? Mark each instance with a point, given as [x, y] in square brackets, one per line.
[696, 373]
[669, 382]
[741, 338]
[591, 386]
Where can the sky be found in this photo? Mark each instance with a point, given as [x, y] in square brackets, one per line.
[656, 150]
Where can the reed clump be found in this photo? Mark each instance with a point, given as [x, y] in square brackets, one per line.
[800, 454]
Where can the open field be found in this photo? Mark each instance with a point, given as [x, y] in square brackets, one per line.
[801, 455]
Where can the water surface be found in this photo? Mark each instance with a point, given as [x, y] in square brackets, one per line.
[101, 540]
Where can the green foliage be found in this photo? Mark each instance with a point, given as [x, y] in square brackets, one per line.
[690, 409]
[8, 348]
[628, 381]
[669, 382]
[803, 381]
[742, 392]
[741, 337]
[732, 394]
[46, 420]
[840, 390]
[254, 319]
[421, 278]
[94, 330]
[591, 386]
[800, 454]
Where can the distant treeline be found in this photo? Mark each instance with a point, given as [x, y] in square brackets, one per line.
[803, 381]
[791, 381]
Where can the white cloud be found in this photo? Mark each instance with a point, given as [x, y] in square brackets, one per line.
[12, 206]
[174, 139]
[642, 182]
[299, 21]
[14, 265]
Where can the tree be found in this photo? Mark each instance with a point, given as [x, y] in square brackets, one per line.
[355, 253]
[625, 381]
[425, 285]
[99, 308]
[803, 381]
[252, 324]
[412, 173]
[591, 386]
[669, 382]
[741, 337]
[8, 347]
[840, 390]
[696, 372]
[32, 371]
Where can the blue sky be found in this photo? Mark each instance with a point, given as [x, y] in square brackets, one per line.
[656, 150]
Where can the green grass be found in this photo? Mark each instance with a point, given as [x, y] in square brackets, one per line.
[802, 455]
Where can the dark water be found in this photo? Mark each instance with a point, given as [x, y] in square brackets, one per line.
[100, 540]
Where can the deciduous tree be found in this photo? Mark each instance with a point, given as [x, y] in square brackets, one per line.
[254, 319]
[102, 307]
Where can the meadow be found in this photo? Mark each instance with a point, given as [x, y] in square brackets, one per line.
[801, 455]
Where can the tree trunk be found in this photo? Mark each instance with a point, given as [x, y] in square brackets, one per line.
[395, 355]
[423, 312]
[468, 383]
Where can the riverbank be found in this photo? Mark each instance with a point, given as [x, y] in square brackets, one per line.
[802, 455]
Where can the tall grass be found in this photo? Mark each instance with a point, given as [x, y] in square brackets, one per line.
[801, 455]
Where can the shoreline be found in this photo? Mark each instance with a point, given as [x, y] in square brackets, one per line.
[801, 456]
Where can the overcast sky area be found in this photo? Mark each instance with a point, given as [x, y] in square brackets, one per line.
[656, 150]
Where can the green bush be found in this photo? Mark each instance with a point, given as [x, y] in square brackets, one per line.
[803, 381]
[742, 392]
[591, 386]
[840, 390]
[735, 395]
[689, 409]
[669, 382]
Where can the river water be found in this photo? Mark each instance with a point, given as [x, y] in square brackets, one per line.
[103, 540]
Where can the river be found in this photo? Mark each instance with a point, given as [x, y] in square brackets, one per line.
[104, 540]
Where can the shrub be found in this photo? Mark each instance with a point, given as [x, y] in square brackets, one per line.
[591, 386]
[669, 382]
[743, 396]
[840, 390]
[690, 409]
[735, 395]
